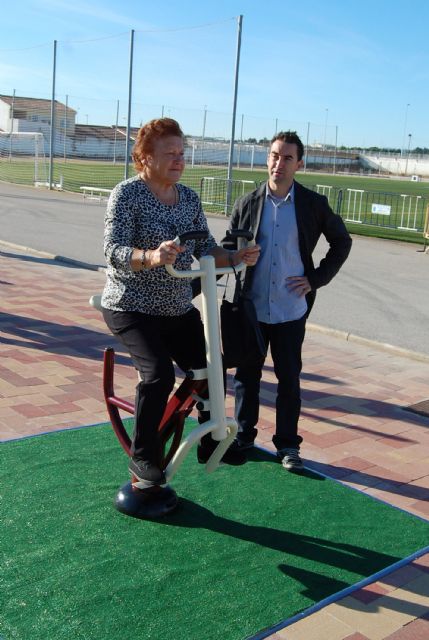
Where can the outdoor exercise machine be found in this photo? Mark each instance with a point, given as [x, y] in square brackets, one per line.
[133, 498]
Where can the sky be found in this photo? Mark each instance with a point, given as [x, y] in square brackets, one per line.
[345, 72]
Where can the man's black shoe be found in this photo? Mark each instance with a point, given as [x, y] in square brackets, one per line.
[242, 445]
[290, 459]
[146, 471]
[231, 456]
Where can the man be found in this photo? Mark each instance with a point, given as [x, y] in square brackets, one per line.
[287, 220]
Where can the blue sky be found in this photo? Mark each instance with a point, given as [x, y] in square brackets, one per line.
[354, 71]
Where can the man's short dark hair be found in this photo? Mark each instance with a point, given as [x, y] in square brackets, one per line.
[292, 138]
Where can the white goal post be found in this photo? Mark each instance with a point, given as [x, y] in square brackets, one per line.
[23, 149]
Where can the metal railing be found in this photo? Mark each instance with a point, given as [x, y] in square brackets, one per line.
[376, 208]
[356, 206]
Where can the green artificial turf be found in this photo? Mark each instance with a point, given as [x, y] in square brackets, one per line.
[246, 548]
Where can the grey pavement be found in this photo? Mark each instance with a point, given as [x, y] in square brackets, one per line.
[379, 295]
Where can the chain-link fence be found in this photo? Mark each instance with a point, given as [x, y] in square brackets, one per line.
[63, 132]
[94, 155]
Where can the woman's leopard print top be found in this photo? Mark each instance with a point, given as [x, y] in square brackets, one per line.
[136, 219]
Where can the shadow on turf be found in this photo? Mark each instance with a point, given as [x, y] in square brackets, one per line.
[326, 471]
[350, 557]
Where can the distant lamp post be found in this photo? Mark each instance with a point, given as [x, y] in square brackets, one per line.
[335, 150]
[408, 153]
[306, 147]
[324, 136]
[241, 142]
[326, 125]
[405, 128]
[203, 136]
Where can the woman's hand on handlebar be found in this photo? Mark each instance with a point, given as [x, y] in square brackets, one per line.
[166, 253]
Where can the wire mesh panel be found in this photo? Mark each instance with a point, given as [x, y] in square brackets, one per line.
[80, 142]
[87, 138]
[23, 158]
[90, 134]
[214, 193]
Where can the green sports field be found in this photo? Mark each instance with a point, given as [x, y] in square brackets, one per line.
[406, 201]
[76, 173]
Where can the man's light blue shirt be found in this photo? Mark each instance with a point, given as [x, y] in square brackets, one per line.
[279, 259]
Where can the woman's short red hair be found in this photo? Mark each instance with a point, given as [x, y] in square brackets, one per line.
[148, 133]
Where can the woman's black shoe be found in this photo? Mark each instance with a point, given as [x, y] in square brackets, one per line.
[146, 471]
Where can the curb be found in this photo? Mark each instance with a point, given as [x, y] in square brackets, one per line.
[381, 346]
[316, 328]
[52, 256]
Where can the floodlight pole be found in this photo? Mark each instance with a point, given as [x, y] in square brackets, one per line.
[51, 143]
[234, 111]
[130, 90]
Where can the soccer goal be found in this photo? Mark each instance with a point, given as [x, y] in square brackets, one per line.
[22, 158]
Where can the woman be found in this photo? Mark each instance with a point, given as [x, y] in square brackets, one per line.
[150, 311]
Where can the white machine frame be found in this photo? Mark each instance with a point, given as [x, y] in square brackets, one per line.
[222, 428]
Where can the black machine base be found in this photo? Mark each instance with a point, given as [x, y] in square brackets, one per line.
[146, 504]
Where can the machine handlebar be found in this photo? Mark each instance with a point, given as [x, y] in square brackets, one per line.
[239, 233]
[191, 235]
[202, 235]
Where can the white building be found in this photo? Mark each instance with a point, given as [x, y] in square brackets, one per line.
[22, 115]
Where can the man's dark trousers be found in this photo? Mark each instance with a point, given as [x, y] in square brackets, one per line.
[285, 340]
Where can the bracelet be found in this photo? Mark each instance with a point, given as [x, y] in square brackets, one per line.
[143, 260]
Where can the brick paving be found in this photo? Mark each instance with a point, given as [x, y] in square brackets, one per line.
[353, 420]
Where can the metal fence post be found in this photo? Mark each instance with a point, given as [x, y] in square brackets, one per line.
[234, 110]
[130, 91]
[51, 143]
[339, 201]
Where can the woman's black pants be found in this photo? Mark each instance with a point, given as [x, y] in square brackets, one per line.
[154, 343]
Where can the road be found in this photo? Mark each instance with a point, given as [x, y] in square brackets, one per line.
[380, 293]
